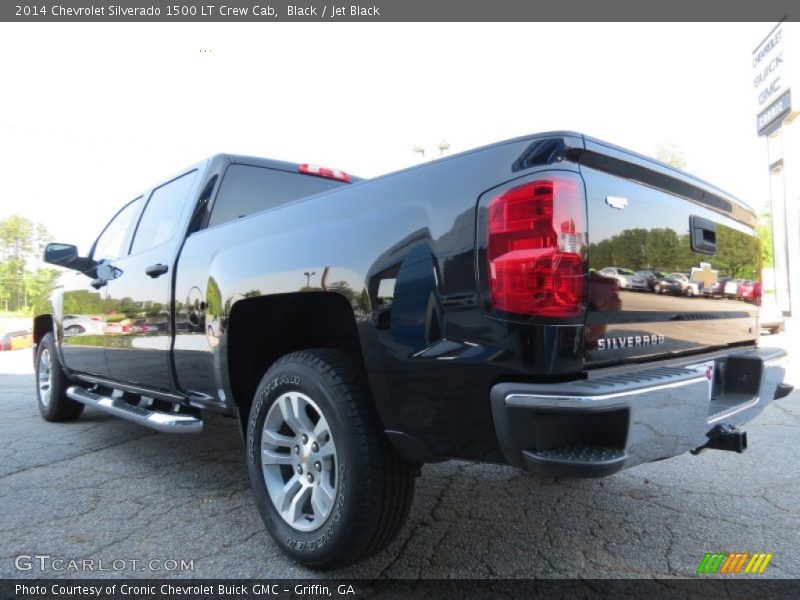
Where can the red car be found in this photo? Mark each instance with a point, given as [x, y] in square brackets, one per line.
[750, 291]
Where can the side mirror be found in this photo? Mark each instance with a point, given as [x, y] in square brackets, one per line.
[66, 255]
[62, 255]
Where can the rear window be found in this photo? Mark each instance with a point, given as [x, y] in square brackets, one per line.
[246, 190]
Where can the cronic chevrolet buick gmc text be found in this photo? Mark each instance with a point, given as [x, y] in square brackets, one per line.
[456, 309]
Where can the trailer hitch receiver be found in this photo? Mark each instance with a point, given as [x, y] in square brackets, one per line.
[725, 437]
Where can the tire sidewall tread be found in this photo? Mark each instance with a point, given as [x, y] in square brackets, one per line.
[366, 506]
[61, 408]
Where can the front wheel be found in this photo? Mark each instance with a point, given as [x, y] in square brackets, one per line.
[52, 384]
[330, 488]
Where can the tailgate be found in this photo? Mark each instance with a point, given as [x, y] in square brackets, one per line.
[684, 238]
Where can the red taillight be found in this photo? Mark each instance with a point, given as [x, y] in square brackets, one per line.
[324, 172]
[535, 248]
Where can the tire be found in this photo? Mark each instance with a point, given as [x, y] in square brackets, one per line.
[52, 384]
[657, 289]
[365, 485]
[689, 292]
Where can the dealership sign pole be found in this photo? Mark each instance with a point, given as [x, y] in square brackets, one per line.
[773, 62]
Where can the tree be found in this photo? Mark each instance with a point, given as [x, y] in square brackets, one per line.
[16, 237]
[663, 249]
[764, 231]
[672, 155]
[21, 244]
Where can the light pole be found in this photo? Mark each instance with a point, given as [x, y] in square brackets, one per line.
[444, 146]
[308, 275]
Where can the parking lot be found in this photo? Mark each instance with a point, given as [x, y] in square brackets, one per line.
[106, 490]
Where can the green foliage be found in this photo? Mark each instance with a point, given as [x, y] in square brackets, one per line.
[84, 302]
[664, 250]
[764, 231]
[671, 154]
[363, 300]
[22, 279]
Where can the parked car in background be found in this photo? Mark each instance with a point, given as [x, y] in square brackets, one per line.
[668, 285]
[650, 277]
[688, 287]
[716, 289]
[78, 325]
[14, 340]
[732, 288]
[770, 317]
[750, 291]
[627, 279]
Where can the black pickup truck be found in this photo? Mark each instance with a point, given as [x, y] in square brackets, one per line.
[456, 309]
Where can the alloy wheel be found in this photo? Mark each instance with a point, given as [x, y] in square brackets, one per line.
[299, 461]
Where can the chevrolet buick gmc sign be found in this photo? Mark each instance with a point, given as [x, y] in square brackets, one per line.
[771, 117]
[770, 81]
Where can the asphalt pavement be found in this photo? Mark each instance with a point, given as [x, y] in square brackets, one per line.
[104, 490]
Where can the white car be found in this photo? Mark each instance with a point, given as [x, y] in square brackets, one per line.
[732, 288]
[83, 325]
[627, 279]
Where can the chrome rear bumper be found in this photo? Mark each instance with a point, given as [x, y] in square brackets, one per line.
[621, 417]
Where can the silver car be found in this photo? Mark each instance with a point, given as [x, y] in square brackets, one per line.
[83, 325]
[627, 279]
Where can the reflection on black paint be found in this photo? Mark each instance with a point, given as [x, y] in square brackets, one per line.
[666, 250]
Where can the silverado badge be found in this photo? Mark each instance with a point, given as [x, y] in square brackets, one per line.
[631, 341]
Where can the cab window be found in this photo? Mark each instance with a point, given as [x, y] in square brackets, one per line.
[247, 189]
[159, 222]
[110, 244]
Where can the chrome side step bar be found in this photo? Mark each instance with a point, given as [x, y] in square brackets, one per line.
[161, 421]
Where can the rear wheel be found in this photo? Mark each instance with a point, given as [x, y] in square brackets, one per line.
[52, 384]
[330, 488]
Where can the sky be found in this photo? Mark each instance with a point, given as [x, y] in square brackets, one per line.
[91, 114]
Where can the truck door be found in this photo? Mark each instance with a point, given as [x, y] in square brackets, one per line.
[138, 347]
[84, 315]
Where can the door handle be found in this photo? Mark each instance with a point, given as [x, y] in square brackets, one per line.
[98, 283]
[703, 236]
[156, 270]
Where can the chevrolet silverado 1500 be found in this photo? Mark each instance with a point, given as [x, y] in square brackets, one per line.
[456, 309]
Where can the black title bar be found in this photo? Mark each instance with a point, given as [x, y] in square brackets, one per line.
[239, 11]
[731, 588]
